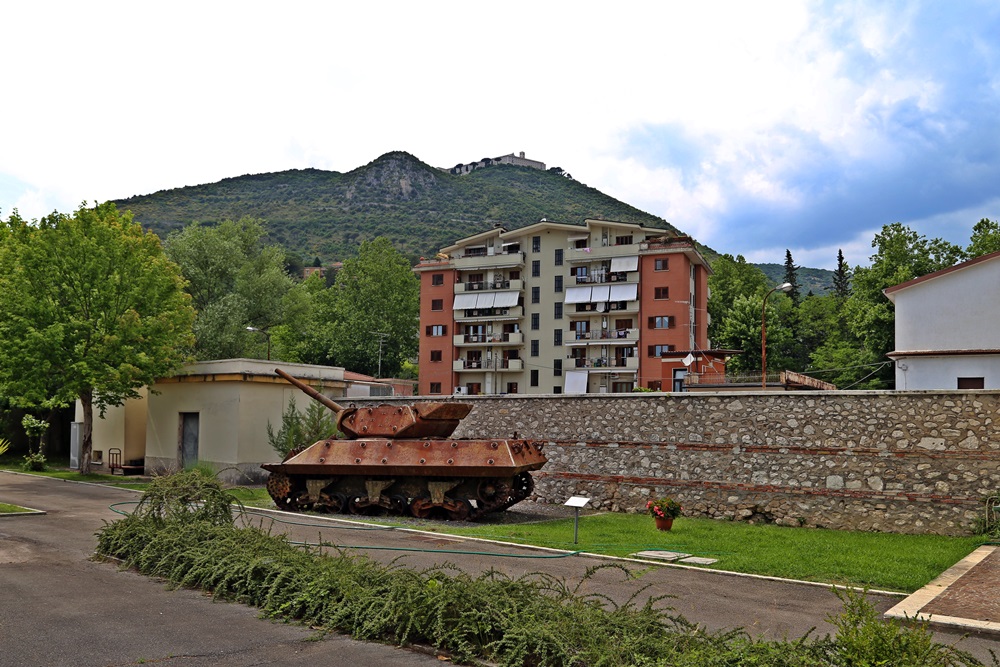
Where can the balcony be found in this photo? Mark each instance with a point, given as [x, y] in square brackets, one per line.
[483, 286]
[501, 260]
[474, 365]
[607, 277]
[489, 314]
[608, 307]
[610, 364]
[577, 255]
[513, 338]
[602, 337]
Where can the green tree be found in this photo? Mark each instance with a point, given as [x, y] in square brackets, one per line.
[731, 278]
[90, 309]
[985, 238]
[901, 254]
[235, 281]
[741, 330]
[792, 277]
[375, 294]
[842, 277]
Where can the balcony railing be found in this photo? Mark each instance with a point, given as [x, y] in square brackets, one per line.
[616, 277]
[607, 306]
[606, 335]
[498, 259]
[485, 285]
[513, 338]
[613, 363]
[461, 365]
[489, 313]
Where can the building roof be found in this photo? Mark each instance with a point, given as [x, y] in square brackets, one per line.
[891, 291]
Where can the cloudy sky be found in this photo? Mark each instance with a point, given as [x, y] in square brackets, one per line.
[753, 126]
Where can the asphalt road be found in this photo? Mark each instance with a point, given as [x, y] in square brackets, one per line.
[57, 607]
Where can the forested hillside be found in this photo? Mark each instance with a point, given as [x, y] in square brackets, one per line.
[419, 208]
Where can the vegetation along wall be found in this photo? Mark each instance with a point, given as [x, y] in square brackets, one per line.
[909, 462]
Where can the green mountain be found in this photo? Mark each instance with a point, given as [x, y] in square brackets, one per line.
[418, 207]
[421, 209]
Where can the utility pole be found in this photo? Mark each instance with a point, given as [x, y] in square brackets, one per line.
[381, 340]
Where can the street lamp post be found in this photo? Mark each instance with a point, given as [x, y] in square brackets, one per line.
[784, 287]
[267, 336]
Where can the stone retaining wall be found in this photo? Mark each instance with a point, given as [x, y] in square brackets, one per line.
[908, 462]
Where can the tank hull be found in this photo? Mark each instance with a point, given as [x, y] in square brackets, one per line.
[450, 478]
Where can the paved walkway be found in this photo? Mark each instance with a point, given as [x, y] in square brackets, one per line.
[59, 608]
[965, 597]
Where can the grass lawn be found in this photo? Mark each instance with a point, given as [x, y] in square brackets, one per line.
[6, 508]
[876, 560]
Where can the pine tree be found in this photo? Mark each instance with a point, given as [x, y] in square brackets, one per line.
[792, 277]
[842, 277]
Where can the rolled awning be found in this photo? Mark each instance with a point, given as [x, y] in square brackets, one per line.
[505, 299]
[601, 293]
[576, 382]
[464, 301]
[624, 292]
[625, 263]
[577, 237]
[485, 300]
[578, 294]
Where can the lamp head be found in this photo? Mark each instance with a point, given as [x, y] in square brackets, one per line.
[785, 287]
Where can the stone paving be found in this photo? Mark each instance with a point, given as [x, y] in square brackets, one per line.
[966, 596]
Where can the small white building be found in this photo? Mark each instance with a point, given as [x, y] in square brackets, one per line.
[216, 413]
[948, 327]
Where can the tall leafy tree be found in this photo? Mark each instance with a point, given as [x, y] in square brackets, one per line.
[235, 281]
[732, 277]
[901, 254]
[90, 309]
[741, 330]
[985, 238]
[376, 296]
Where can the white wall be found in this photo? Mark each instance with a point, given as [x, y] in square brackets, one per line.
[943, 372]
[954, 311]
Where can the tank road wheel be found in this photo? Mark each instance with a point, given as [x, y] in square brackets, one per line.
[421, 507]
[458, 510]
[487, 490]
[279, 487]
[338, 500]
[354, 505]
[334, 502]
[398, 504]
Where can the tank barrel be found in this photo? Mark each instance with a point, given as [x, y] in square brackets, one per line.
[328, 402]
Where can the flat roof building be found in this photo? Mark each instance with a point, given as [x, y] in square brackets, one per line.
[558, 308]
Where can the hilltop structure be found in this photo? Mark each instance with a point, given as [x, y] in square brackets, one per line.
[516, 160]
[557, 308]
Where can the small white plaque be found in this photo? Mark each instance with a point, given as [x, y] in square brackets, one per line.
[576, 501]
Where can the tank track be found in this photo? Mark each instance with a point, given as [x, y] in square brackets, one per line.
[465, 499]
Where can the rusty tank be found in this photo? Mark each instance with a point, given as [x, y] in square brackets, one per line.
[400, 459]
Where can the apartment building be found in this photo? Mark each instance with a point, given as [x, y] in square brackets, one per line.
[558, 308]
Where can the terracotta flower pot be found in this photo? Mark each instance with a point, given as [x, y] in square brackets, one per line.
[664, 523]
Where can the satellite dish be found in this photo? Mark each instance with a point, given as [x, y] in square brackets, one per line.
[688, 360]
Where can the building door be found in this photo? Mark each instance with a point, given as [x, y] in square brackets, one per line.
[679, 374]
[189, 439]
